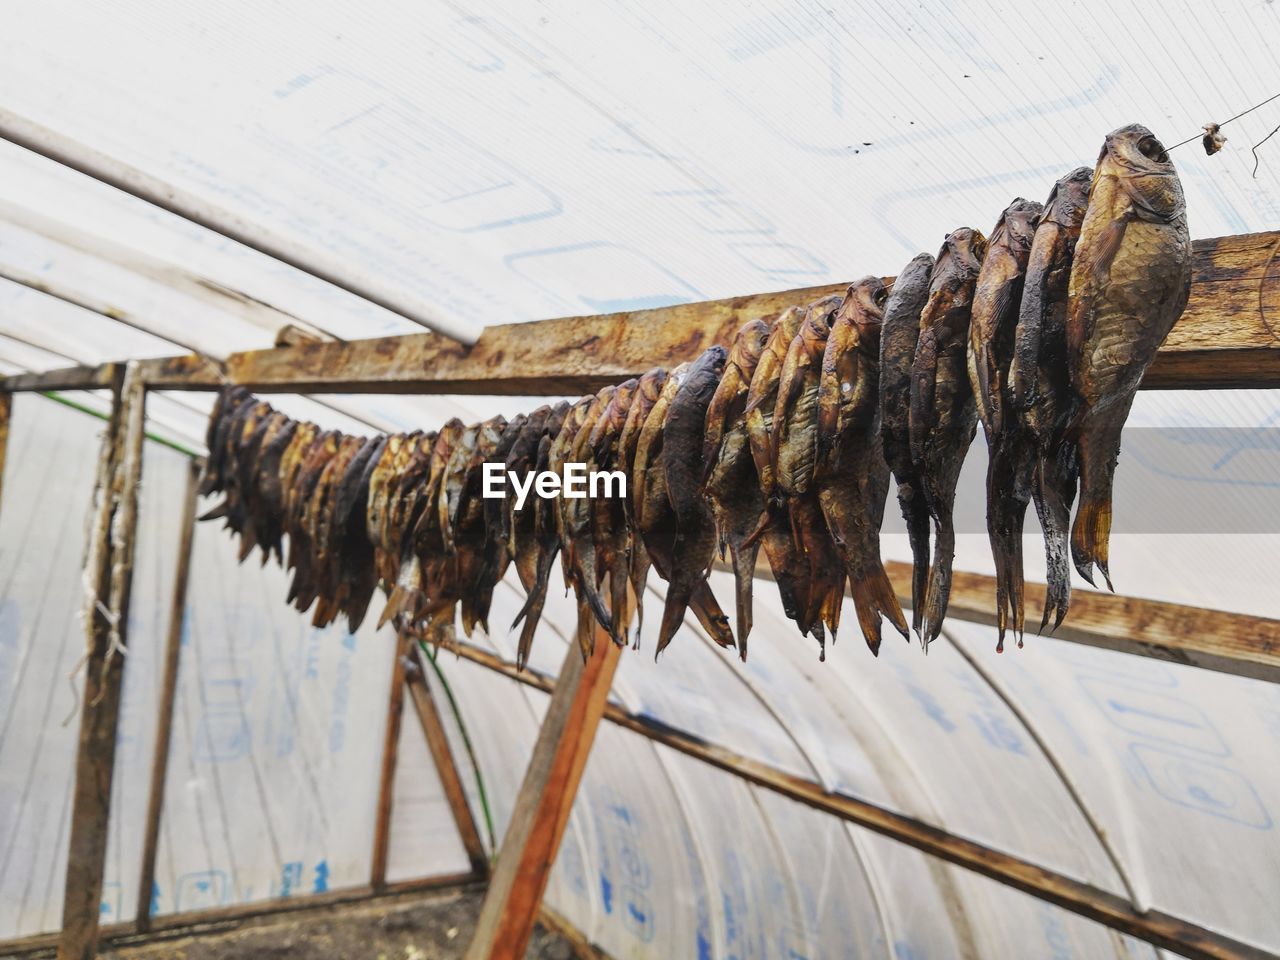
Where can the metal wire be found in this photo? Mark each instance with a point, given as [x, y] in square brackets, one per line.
[1236, 117]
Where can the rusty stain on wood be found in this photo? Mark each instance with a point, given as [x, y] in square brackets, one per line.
[1163, 930]
[544, 802]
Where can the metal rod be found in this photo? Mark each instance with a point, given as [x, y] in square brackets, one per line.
[1163, 930]
[158, 270]
[114, 314]
[330, 268]
[168, 694]
[387, 775]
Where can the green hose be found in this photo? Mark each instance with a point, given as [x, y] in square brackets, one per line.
[466, 741]
[74, 405]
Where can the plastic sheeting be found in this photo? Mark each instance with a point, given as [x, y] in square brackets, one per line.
[273, 768]
[520, 163]
[512, 162]
[277, 727]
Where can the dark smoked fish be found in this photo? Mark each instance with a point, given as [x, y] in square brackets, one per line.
[1130, 282]
[655, 519]
[992, 329]
[852, 477]
[943, 416]
[695, 530]
[648, 390]
[610, 526]
[794, 454]
[900, 330]
[731, 484]
[1041, 382]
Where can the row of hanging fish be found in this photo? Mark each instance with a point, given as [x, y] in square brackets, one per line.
[785, 443]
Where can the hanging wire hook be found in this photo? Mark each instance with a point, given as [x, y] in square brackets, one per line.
[1200, 136]
[1257, 159]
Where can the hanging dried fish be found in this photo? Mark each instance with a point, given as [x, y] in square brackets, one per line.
[997, 299]
[943, 416]
[1041, 382]
[1130, 282]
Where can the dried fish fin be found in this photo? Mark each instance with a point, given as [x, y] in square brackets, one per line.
[1054, 490]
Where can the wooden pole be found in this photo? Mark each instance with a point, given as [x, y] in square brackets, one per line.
[6, 413]
[387, 775]
[433, 731]
[544, 802]
[109, 575]
[168, 692]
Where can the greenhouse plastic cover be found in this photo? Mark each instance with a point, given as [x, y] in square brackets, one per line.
[509, 162]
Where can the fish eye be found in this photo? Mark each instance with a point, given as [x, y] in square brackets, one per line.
[1152, 149]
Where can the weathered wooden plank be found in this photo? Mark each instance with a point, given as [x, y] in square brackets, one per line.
[1229, 337]
[110, 571]
[1221, 341]
[387, 773]
[1160, 929]
[168, 694]
[65, 378]
[6, 414]
[1234, 643]
[455, 794]
[543, 805]
[1237, 643]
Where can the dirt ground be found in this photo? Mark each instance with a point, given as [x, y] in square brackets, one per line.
[417, 927]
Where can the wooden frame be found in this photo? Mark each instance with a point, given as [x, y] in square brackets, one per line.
[109, 569]
[120, 476]
[1159, 929]
[545, 800]
[1222, 341]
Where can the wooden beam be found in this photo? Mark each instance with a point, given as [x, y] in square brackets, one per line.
[6, 414]
[387, 774]
[1222, 341]
[1235, 643]
[109, 572]
[1163, 930]
[424, 703]
[544, 802]
[168, 694]
[65, 378]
